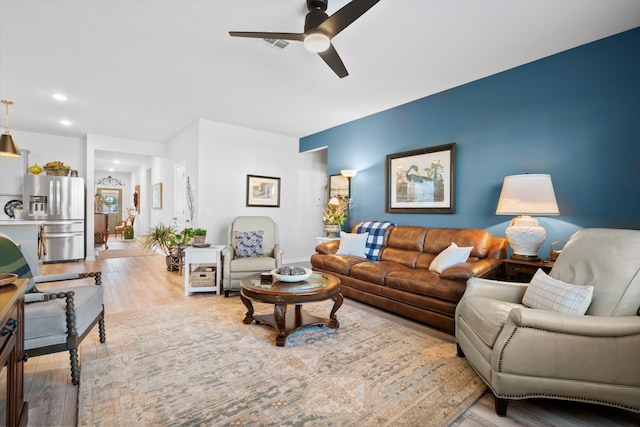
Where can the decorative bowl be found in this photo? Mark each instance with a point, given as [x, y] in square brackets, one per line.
[289, 278]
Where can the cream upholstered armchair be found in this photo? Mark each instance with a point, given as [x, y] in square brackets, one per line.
[252, 247]
[58, 319]
[522, 352]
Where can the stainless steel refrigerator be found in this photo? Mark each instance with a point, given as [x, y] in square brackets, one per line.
[59, 202]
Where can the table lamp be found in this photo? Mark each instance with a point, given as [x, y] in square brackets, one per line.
[526, 195]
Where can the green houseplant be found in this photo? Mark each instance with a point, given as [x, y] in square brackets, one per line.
[199, 235]
[161, 237]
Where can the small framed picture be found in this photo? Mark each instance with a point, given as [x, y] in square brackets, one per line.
[422, 181]
[263, 191]
[156, 196]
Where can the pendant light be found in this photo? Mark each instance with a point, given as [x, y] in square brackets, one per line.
[7, 146]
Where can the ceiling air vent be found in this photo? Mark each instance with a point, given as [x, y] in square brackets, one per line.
[277, 43]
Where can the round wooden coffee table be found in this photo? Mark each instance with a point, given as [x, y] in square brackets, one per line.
[318, 287]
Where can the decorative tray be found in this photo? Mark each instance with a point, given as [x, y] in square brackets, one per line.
[7, 278]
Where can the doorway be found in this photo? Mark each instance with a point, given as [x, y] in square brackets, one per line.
[112, 206]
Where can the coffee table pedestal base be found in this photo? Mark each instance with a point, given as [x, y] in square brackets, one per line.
[285, 322]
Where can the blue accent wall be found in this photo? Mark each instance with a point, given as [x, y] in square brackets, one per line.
[574, 115]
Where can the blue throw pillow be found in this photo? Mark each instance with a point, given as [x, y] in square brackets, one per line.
[248, 243]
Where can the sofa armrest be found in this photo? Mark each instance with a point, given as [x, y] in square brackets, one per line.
[588, 326]
[579, 349]
[330, 247]
[228, 254]
[495, 289]
[481, 268]
[277, 254]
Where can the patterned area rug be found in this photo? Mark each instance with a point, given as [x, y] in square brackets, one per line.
[196, 363]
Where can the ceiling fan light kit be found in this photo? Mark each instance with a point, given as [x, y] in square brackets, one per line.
[317, 42]
[319, 29]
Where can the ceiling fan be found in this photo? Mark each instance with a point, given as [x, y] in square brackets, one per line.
[319, 29]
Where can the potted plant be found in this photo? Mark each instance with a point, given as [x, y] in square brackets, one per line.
[160, 238]
[199, 235]
[335, 216]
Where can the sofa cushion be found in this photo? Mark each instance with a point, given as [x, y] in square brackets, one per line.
[375, 271]
[340, 264]
[438, 239]
[614, 274]
[547, 293]
[425, 282]
[407, 237]
[486, 316]
[44, 319]
[254, 263]
[405, 257]
[451, 256]
[353, 244]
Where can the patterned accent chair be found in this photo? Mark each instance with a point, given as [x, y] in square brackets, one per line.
[58, 319]
[248, 251]
[523, 352]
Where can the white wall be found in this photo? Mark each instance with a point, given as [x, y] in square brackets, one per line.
[183, 148]
[227, 154]
[217, 159]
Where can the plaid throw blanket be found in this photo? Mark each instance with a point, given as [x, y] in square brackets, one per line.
[376, 230]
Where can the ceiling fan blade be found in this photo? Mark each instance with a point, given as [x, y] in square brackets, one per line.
[260, 35]
[345, 16]
[331, 57]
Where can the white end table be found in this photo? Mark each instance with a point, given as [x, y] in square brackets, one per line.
[210, 255]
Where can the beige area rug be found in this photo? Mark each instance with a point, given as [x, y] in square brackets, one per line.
[123, 253]
[196, 363]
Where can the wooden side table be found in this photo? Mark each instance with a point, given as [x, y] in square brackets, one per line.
[523, 271]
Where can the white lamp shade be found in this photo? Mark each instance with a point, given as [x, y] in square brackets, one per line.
[348, 173]
[529, 194]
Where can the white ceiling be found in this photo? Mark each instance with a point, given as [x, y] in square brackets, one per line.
[144, 70]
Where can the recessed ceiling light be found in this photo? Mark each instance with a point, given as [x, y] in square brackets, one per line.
[111, 169]
[65, 122]
[59, 97]
[117, 162]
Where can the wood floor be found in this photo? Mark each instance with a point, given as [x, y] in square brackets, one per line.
[137, 283]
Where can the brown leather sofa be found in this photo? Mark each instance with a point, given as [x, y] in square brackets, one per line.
[400, 280]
